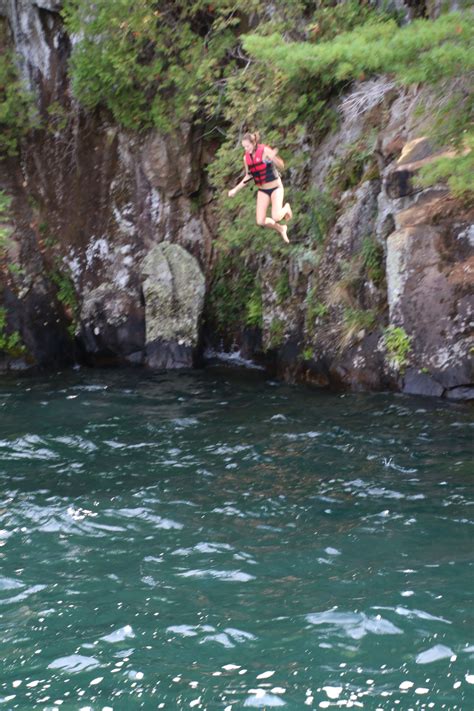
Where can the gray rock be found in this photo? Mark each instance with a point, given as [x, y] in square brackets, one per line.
[457, 375]
[356, 221]
[420, 384]
[399, 179]
[398, 183]
[51, 5]
[17, 364]
[32, 49]
[354, 109]
[415, 150]
[173, 290]
[112, 324]
[463, 393]
[170, 163]
[423, 294]
[135, 358]
[166, 355]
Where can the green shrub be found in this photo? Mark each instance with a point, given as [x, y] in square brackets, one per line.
[372, 256]
[329, 20]
[153, 63]
[5, 233]
[5, 230]
[425, 51]
[398, 346]
[348, 170]
[15, 269]
[66, 295]
[254, 309]
[230, 292]
[314, 308]
[276, 333]
[282, 287]
[17, 113]
[457, 172]
[422, 51]
[315, 212]
[10, 343]
[58, 117]
[353, 322]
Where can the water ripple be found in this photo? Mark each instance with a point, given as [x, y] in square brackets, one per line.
[199, 540]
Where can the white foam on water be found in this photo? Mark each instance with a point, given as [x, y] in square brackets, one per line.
[73, 663]
[333, 692]
[232, 358]
[119, 635]
[260, 699]
[226, 575]
[434, 654]
[355, 624]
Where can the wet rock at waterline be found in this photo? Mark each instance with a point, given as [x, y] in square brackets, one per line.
[112, 325]
[155, 324]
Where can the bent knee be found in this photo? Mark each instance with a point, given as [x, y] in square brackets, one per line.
[261, 223]
[276, 216]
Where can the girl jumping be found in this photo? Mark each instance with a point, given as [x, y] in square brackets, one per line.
[262, 164]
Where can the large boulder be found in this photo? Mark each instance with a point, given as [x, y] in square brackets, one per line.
[173, 290]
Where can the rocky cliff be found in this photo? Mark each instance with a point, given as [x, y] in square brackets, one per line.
[109, 246]
[109, 251]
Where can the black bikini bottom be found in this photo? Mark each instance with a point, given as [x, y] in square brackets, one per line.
[268, 191]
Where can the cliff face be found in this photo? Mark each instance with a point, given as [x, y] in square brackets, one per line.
[111, 236]
[90, 204]
[400, 317]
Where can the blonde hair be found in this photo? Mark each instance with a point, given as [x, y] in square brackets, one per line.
[252, 137]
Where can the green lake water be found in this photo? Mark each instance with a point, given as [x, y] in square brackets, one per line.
[215, 540]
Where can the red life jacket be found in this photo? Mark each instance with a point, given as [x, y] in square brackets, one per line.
[260, 171]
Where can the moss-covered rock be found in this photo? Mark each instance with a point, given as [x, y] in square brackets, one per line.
[173, 290]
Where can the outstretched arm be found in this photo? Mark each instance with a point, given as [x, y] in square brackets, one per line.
[246, 179]
[272, 154]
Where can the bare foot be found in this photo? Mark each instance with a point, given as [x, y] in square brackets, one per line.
[283, 232]
[289, 212]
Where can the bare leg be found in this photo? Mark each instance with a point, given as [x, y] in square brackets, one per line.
[263, 201]
[280, 211]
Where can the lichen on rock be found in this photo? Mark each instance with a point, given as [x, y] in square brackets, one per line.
[173, 291]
